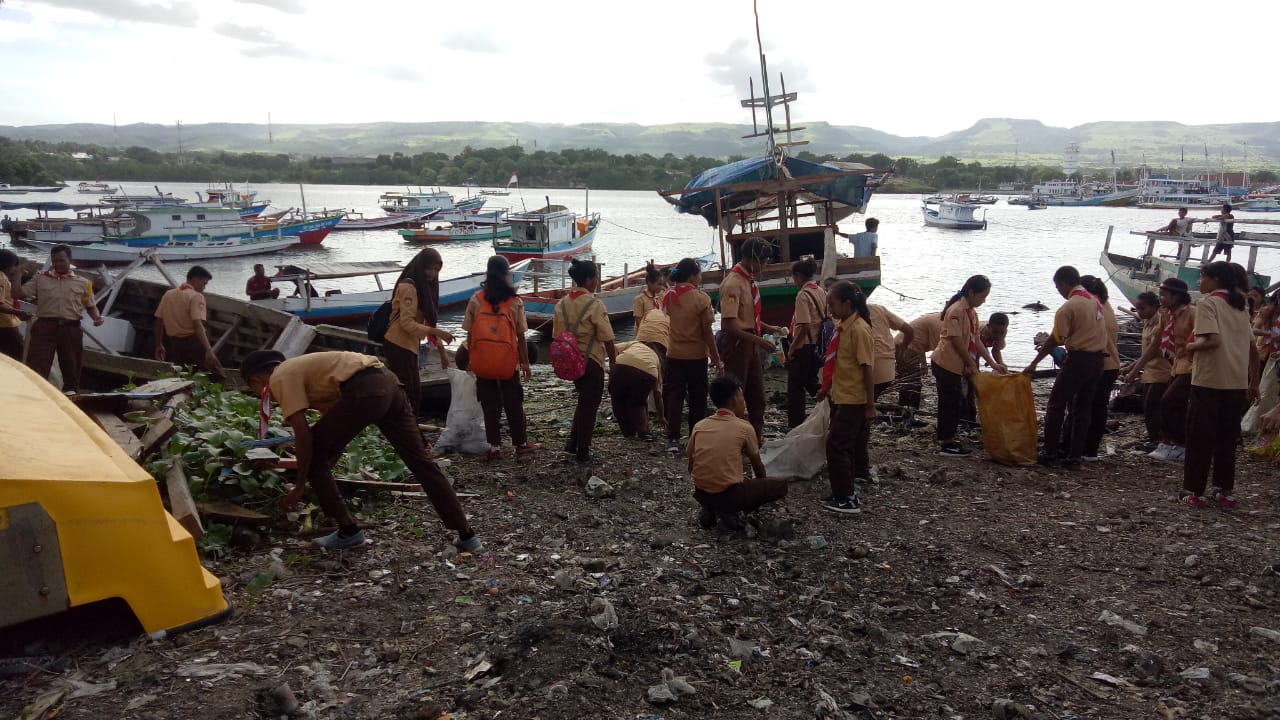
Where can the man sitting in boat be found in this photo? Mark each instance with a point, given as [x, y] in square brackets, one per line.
[259, 286]
[1180, 226]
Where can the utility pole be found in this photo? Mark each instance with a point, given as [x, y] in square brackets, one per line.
[270, 137]
[115, 132]
[179, 142]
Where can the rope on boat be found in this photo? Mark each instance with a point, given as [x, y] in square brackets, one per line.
[641, 232]
[900, 295]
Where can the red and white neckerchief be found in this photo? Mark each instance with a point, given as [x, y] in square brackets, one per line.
[755, 295]
[1271, 342]
[654, 299]
[264, 412]
[724, 413]
[58, 276]
[575, 294]
[807, 286]
[672, 296]
[829, 360]
[973, 332]
[1081, 292]
[1168, 348]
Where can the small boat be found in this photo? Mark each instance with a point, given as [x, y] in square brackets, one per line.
[227, 196]
[1262, 204]
[551, 232]
[454, 232]
[160, 199]
[953, 216]
[504, 192]
[96, 188]
[205, 248]
[352, 220]
[1037, 205]
[1143, 272]
[408, 201]
[7, 189]
[977, 199]
[474, 216]
[550, 282]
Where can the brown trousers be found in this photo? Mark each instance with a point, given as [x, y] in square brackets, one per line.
[684, 378]
[184, 351]
[11, 343]
[50, 336]
[742, 361]
[496, 396]
[802, 383]
[629, 390]
[1152, 395]
[747, 496]
[1213, 432]
[404, 363]
[590, 389]
[1098, 411]
[1071, 399]
[847, 454]
[374, 397]
[951, 402]
[1173, 409]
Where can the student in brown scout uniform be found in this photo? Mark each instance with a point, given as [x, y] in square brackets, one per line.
[11, 316]
[743, 328]
[847, 379]
[911, 363]
[1177, 319]
[636, 376]
[61, 298]
[690, 345]
[351, 391]
[956, 358]
[803, 362]
[1110, 370]
[883, 324]
[1080, 326]
[1224, 380]
[497, 300]
[180, 319]
[716, 447]
[415, 310]
[1152, 366]
[650, 298]
[582, 314]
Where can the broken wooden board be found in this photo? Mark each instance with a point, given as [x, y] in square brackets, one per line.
[120, 432]
[163, 427]
[229, 512]
[181, 505]
[166, 387]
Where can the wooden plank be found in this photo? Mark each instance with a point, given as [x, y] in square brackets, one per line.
[119, 431]
[166, 387]
[222, 340]
[181, 504]
[364, 484]
[163, 427]
[230, 512]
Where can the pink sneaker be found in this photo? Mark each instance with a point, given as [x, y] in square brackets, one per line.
[1224, 501]
[493, 453]
[528, 448]
[1194, 501]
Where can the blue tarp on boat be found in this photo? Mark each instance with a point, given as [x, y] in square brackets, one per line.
[848, 190]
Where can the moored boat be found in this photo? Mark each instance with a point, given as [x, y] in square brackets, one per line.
[551, 232]
[7, 189]
[953, 216]
[409, 201]
[96, 188]
[453, 232]
[352, 220]
[1262, 204]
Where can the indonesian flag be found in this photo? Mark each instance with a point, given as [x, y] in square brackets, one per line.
[513, 181]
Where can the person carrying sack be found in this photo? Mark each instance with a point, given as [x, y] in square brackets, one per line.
[498, 355]
[582, 317]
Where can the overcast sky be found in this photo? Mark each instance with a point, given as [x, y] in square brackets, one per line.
[902, 66]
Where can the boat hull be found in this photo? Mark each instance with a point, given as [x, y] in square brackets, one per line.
[1136, 275]
[390, 222]
[578, 245]
[354, 307]
[932, 219]
[117, 254]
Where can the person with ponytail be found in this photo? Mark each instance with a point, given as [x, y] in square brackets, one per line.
[744, 328]
[1176, 320]
[803, 362]
[1224, 380]
[1110, 370]
[499, 308]
[1154, 369]
[1079, 325]
[581, 313]
[691, 343]
[415, 310]
[848, 383]
[956, 357]
[650, 298]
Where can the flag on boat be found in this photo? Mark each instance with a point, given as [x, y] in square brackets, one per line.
[513, 181]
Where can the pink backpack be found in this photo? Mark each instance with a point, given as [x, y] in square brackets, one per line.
[567, 359]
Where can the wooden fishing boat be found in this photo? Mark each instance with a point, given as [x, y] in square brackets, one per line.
[552, 232]
[96, 188]
[953, 216]
[352, 220]
[453, 232]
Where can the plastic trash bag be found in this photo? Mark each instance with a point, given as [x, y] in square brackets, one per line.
[1266, 446]
[1268, 396]
[802, 454]
[1007, 411]
[464, 427]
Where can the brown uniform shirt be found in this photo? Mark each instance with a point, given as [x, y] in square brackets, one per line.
[1225, 367]
[1159, 370]
[927, 331]
[655, 329]
[1078, 327]
[408, 326]
[1112, 360]
[689, 315]
[643, 303]
[1184, 321]
[716, 447]
[736, 300]
[594, 324]
[957, 323]
[315, 380]
[180, 309]
[854, 356]
[63, 297]
[641, 357]
[811, 304]
[883, 323]
[6, 299]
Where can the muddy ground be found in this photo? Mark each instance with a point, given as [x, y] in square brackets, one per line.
[964, 590]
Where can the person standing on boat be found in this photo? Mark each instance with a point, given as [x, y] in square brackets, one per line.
[866, 244]
[691, 345]
[1180, 226]
[351, 391]
[62, 297]
[415, 310]
[181, 318]
[1080, 326]
[1226, 233]
[744, 328]
[259, 286]
[11, 316]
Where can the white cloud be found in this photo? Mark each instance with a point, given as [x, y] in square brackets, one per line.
[179, 13]
[471, 40]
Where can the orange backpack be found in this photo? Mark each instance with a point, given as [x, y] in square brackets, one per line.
[493, 341]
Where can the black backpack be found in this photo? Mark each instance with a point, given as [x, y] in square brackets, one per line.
[826, 328]
[379, 322]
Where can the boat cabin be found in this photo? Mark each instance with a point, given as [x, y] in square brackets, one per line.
[406, 201]
[552, 225]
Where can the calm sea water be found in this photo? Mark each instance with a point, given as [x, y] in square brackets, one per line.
[921, 266]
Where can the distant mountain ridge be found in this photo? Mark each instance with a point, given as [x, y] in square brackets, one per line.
[989, 140]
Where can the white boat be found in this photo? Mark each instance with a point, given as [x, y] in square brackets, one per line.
[1168, 194]
[200, 248]
[352, 220]
[514, 181]
[96, 188]
[1264, 204]
[409, 201]
[159, 199]
[953, 216]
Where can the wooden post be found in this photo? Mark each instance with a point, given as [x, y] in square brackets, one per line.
[181, 505]
[724, 259]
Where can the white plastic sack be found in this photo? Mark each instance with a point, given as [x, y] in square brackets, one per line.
[464, 426]
[802, 454]
[1269, 395]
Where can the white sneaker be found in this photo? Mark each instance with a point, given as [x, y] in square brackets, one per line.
[1090, 458]
[1176, 454]
[1161, 452]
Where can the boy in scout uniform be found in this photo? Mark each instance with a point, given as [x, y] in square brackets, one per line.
[743, 328]
[61, 298]
[181, 320]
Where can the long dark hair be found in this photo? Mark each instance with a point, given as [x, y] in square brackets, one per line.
[975, 284]
[845, 291]
[685, 270]
[1228, 279]
[1096, 287]
[415, 273]
[8, 260]
[497, 288]
[651, 273]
